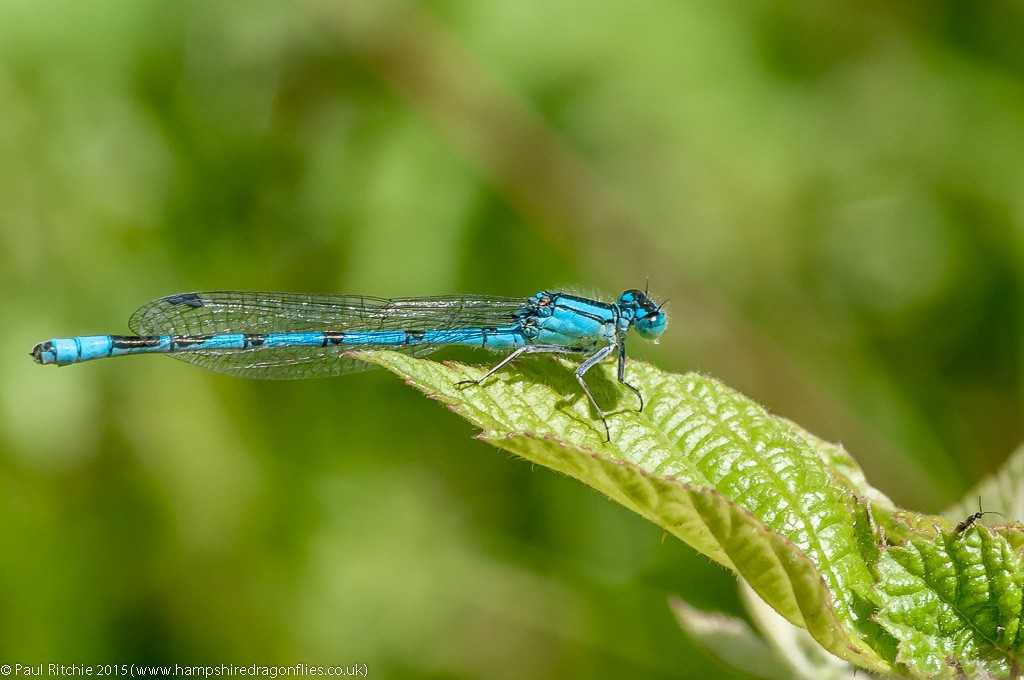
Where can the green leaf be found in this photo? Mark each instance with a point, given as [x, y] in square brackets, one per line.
[955, 602]
[781, 651]
[791, 514]
[732, 642]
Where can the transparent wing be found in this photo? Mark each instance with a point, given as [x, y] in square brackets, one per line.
[258, 312]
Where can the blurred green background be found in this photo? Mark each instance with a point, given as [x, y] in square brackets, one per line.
[830, 197]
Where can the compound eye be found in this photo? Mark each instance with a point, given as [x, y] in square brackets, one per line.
[633, 297]
[651, 326]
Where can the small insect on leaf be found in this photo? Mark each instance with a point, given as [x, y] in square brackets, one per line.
[971, 519]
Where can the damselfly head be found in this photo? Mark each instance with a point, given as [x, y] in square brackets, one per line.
[648, 319]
